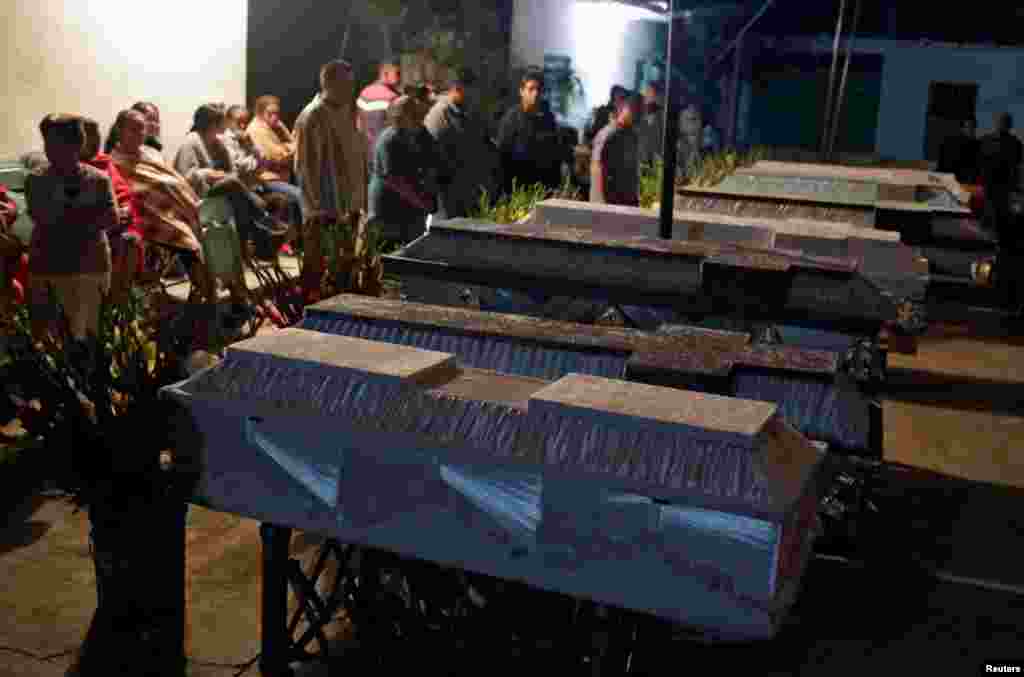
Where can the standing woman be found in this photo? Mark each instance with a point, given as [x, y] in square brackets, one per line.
[403, 180]
[126, 240]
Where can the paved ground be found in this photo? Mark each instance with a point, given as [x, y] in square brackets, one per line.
[884, 620]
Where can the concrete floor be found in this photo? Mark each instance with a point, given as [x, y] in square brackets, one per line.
[847, 623]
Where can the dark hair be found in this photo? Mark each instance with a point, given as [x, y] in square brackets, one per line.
[618, 90]
[65, 128]
[390, 62]
[114, 135]
[264, 102]
[144, 107]
[206, 116]
[532, 76]
[335, 64]
[1004, 121]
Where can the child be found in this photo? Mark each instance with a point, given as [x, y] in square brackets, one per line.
[72, 205]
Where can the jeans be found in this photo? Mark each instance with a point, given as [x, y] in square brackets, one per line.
[294, 195]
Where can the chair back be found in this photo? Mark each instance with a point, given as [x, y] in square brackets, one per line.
[221, 245]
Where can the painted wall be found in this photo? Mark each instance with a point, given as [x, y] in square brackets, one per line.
[100, 56]
[909, 69]
[595, 36]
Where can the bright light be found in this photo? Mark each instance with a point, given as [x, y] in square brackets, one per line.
[598, 37]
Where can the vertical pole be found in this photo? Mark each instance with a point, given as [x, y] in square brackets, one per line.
[841, 95]
[822, 148]
[178, 590]
[734, 95]
[274, 642]
[673, 109]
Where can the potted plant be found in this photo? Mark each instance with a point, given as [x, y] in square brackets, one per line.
[93, 409]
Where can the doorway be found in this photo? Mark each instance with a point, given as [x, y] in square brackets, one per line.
[949, 103]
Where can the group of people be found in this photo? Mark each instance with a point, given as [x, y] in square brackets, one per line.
[388, 159]
[94, 204]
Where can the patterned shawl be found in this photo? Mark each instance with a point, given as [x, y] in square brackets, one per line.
[168, 206]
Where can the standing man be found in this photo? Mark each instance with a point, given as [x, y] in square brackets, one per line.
[330, 162]
[467, 157]
[650, 125]
[958, 154]
[528, 139]
[615, 163]
[374, 100]
[1000, 156]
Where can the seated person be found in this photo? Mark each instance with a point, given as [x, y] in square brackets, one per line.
[126, 245]
[152, 114]
[10, 249]
[8, 209]
[403, 183]
[207, 165]
[274, 142]
[244, 154]
[168, 207]
[73, 206]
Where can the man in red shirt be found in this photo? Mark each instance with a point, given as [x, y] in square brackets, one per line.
[373, 104]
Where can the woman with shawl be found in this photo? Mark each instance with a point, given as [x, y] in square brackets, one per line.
[168, 206]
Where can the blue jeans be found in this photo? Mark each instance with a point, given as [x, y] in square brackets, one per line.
[294, 195]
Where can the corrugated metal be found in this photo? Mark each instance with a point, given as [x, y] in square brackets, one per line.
[480, 352]
[820, 410]
[699, 465]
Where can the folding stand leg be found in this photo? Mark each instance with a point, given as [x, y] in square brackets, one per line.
[275, 644]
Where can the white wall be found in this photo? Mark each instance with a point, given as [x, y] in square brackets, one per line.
[97, 57]
[909, 69]
[908, 72]
[592, 34]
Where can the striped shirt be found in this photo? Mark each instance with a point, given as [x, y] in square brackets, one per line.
[373, 105]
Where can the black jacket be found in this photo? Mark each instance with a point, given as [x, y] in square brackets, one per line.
[531, 151]
[959, 155]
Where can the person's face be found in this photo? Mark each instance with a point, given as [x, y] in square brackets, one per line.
[337, 84]
[626, 116]
[133, 133]
[152, 117]
[272, 115]
[63, 155]
[391, 75]
[236, 120]
[457, 95]
[529, 94]
[618, 99]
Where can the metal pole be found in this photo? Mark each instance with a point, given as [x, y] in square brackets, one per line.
[832, 80]
[734, 95]
[837, 116]
[274, 640]
[673, 110]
